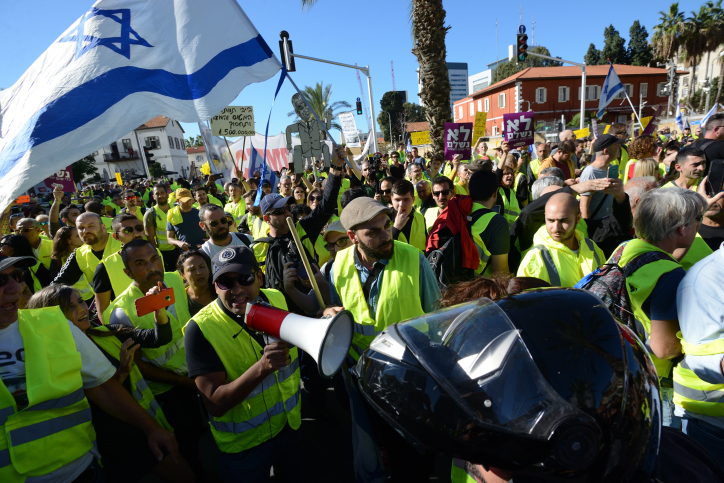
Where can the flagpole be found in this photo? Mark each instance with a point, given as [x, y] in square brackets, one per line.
[633, 108]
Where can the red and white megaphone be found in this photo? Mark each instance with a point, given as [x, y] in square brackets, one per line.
[326, 340]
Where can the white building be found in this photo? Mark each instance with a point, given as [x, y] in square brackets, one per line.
[481, 80]
[703, 72]
[457, 73]
[164, 137]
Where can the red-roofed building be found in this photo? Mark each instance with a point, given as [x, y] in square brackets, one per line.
[554, 91]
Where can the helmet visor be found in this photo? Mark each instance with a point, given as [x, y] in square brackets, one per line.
[475, 352]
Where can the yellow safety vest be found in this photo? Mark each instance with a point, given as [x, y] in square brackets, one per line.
[174, 216]
[476, 230]
[418, 233]
[87, 262]
[161, 237]
[399, 295]
[44, 251]
[318, 250]
[236, 209]
[139, 387]
[108, 223]
[82, 286]
[172, 356]
[343, 187]
[271, 405]
[698, 251]
[555, 263]
[459, 472]
[114, 267]
[692, 393]
[259, 227]
[212, 199]
[640, 285]
[622, 162]
[55, 429]
[535, 167]
[693, 187]
[431, 215]
[511, 208]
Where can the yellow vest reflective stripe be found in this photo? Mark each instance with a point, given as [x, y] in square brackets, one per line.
[399, 295]
[477, 229]
[236, 209]
[511, 208]
[171, 356]
[44, 251]
[161, 221]
[694, 394]
[272, 404]
[87, 262]
[459, 472]
[640, 285]
[114, 267]
[698, 251]
[139, 388]
[418, 233]
[55, 429]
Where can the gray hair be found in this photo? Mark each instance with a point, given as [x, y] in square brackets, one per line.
[552, 171]
[543, 183]
[284, 178]
[636, 187]
[33, 222]
[661, 212]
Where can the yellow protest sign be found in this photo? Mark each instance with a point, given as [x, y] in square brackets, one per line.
[645, 121]
[479, 126]
[420, 138]
[605, 131]
[118, 178]
[582, 133]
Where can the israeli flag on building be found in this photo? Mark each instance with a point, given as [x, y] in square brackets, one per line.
[612, 86]
[711, 112]
[120, 64]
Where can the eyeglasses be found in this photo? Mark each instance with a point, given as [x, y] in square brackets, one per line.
[315, 198]
[228, 282]
[229, 220]
[129, 229]
[339, 243]
[17, 275]
[280, 211]
[43, 223]
[131, 198]
[221, 221]
[385, 192]
[438, 193]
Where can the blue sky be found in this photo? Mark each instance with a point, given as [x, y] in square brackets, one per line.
[372, 33]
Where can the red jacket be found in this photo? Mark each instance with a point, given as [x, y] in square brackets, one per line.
[455, 219]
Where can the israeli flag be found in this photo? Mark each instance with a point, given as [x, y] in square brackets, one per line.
[120, 64]
[711, 112]
[612, 86]
[409, 145]
[679, 120]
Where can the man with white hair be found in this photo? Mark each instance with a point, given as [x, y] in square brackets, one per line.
[285, 186]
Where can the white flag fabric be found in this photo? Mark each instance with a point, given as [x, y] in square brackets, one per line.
[711, 112]
[122, 63]
[612, 86]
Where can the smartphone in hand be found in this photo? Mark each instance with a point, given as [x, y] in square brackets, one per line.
[151, 303]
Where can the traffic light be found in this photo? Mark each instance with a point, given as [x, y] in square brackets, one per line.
[148, 154]
[522, 47]
[359, 107]
[286, 50]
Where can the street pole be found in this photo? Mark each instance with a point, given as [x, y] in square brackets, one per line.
[372, 108]
[142, 154]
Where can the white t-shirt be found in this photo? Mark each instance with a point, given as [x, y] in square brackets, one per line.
[95, 371]
[211, 250]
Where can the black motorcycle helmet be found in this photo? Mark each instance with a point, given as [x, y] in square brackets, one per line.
[544, 384]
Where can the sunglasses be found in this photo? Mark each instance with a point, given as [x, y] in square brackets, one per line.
[315, 198]
[340, 243]
[131, 198]
[230, 221]
[221, 221]
[384, 192]
[17, 275]
[280, 211]
[438, 193]
[228, 282]
[129, 229]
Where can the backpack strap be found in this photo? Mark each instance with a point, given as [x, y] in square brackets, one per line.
[553, 274]
[592, 246]
[266, 239]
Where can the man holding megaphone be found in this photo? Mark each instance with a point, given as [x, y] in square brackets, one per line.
[250, 388]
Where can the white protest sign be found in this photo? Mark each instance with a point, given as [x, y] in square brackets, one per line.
[234, 121]
[349, 128]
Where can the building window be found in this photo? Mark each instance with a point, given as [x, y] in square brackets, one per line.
[486, 102]
[170, 142]
[495, 131]
[564, 94]
[686, 81]
[472, 108]
[629, 92]
[460, 112]
[540, 95]
[592, 93]
[126, 145]
[644, 89]
[480, 105]
[622, 119]
[661, 86]
[153, 142]
[501, 100]
[178, 144]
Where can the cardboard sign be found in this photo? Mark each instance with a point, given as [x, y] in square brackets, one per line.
[64, 178]
[582, 133]
[479, 125]
[518, 129]
[458, 137]
[23, 199]
[654, 122]
[349, 129]
[234, 121]
[645, 121]
[594, 125]
[118, 179]
[420, 138]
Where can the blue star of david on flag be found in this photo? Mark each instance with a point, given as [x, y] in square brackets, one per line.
[120, 45]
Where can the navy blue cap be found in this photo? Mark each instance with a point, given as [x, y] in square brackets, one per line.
[273, 201]
[238, 259]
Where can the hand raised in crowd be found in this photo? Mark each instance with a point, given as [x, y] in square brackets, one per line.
[616, 189]
[456, 161]
[400, 220]
[274, 357]
[128, 349]
[710, 200]
[592, 185]
[58, 193]
[338, 155]
[160, 315]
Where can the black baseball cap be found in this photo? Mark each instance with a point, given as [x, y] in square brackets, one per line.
[22, 262]
[238, 259]
[606, 140]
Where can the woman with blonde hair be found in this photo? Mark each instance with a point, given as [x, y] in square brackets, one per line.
[646, 167]
[640, 148]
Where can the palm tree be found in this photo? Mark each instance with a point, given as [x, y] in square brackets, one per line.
[707, 29]
[319, 98]
[715, 37]
[666, 38]
[429, 31]
[695, 42]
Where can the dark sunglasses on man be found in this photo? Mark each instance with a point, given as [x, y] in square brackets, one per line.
[280, 211]
[17, 275]
[220, 221]
[442, 192]
[129, 229]
[227, 282]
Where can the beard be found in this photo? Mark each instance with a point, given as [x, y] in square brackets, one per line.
[90, 239]
[376, 253]
[218, 236]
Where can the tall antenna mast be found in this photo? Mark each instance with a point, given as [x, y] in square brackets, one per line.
[521, 15]
[392, 66]
[497, 57]
[533, 36]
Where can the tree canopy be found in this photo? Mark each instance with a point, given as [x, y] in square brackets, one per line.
[83, 168]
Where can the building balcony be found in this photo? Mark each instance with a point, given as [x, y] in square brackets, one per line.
[121, 156]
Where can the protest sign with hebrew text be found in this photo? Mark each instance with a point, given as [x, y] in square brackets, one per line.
[458, 137]
[420, 138]
[234, 121]
[518, 129]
